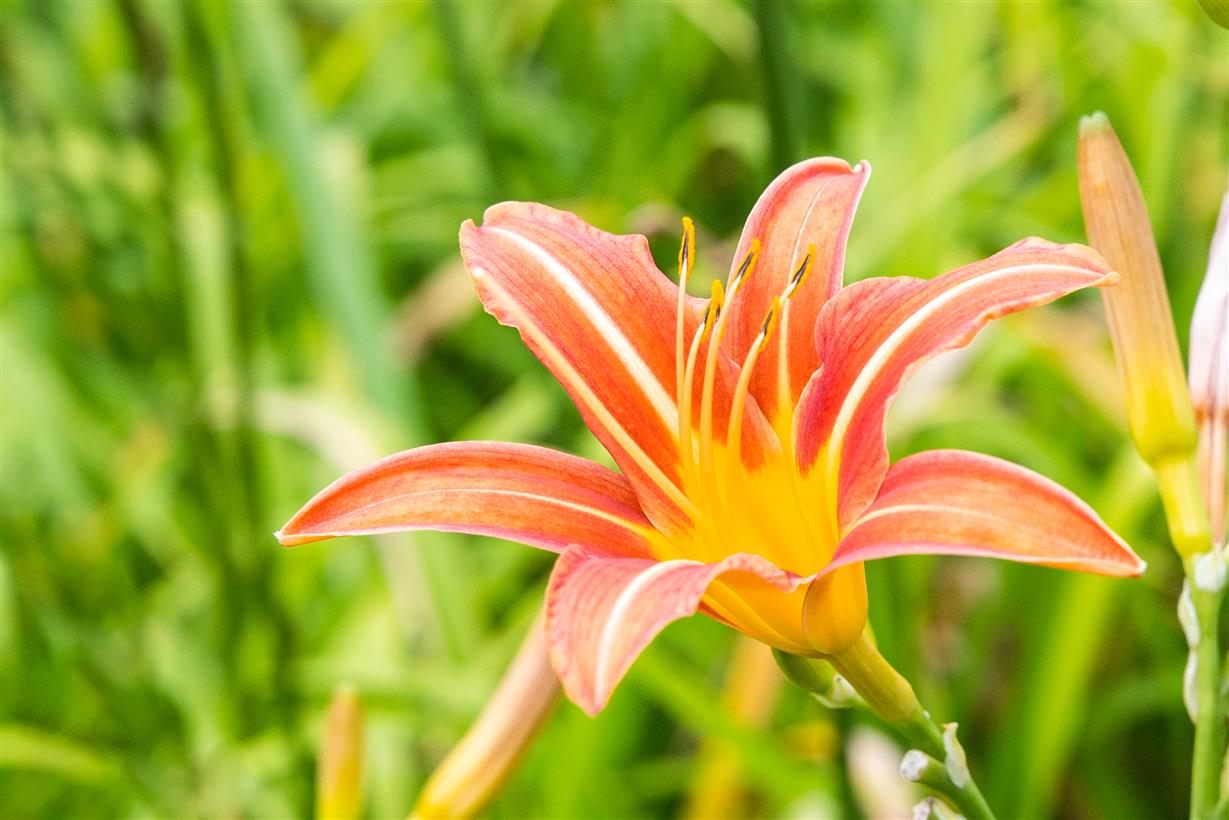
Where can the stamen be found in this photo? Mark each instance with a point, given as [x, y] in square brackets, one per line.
[806, 511]
[785, 396]
[686, 257]
[795, 281]
[552, 355]
[686, 454]
[711, 485]
[734, 435]
[744, 270]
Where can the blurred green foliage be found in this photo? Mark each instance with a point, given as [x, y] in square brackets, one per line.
[230, 271]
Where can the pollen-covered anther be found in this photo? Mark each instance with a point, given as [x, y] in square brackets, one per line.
[800, 274]
[795, 283]
[748, 265]
[716, 303]
[770, 321]
[686, 258]
[687, 250]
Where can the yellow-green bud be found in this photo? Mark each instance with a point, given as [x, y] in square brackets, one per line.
[1159, 408]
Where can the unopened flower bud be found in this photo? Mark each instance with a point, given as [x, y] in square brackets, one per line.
[477, 766]
[818, 678]
[1159, 408]
[1209, 372]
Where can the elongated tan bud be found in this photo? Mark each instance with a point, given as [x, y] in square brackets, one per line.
[477, 766]
[1145, 343]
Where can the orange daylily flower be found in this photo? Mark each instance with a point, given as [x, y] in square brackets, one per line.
[748, 429]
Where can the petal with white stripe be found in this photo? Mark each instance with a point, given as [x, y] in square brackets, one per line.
[602, 610]
[875, 332]
[952, 502]
[809, 204]
[533, 495]
[599, 314]
[594, 308]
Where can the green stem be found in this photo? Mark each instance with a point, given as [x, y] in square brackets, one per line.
[777, 98]
[1205, 686]
[1186, 515]
[886, 693]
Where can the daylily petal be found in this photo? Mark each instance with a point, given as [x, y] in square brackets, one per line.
[594, 308]
[952, 502]
[874, 333]
[602, 610]
[599, 314]
[811, 203]
[533, 495]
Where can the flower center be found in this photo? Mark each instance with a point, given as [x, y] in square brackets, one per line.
[742, 508]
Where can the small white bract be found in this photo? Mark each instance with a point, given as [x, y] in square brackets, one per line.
[955, 761]
[840, 696]
[1210, 571]
[1188, 617]
[913, 764]
[1190, 694]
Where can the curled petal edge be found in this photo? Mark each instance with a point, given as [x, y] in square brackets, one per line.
[952, 502]
[602, 610]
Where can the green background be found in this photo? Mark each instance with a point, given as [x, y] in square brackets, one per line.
[230, 271]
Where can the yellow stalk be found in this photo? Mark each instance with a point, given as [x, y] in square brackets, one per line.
[751, 692]
[339, 775]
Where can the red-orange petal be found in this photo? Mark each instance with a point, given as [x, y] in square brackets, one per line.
[599, 314]
[952, 502]
[533, 495]
[874, 333]
[594, 308]
[810, 203]
[602, 610]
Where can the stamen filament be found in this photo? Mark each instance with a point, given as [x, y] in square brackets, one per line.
[734, 434]
[712, 487]
[686, 454]
[552, 355]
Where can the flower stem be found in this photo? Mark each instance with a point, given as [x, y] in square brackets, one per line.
[1199, 610]
[886, 693]
[1206, 583]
